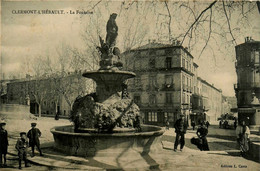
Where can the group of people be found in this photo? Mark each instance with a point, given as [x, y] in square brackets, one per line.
[22, 144]
[242, 134]
[180, 130]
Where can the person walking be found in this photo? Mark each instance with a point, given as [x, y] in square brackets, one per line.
[33, 135]
[57, 116]
[21, 146]
[3, 144]
[193, 125]
[202, 133]
[180, 130]
[242, 133]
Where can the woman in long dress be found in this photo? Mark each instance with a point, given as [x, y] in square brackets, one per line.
[243, 132]
[202, 133]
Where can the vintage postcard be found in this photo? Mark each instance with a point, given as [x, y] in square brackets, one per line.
[129, 85]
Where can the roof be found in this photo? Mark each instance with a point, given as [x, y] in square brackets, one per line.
[249, 42]
[154, 45]
[205, 82]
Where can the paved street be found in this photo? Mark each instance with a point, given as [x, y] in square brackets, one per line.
[221, 142]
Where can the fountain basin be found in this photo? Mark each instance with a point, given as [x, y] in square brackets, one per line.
[104, 144]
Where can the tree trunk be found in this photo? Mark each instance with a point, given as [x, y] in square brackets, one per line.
[40, 110]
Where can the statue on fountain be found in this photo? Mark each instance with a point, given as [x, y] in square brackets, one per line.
[110, 55]
[110, 106]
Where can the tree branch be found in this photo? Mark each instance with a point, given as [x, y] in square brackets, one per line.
[210, 31]
[170, 20]
[229, 27]
[196, 20]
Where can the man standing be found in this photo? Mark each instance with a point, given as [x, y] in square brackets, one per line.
[180, 129]
[207, 124]
[3, 144]
[21, 146]
[33, 136]
[193, 125]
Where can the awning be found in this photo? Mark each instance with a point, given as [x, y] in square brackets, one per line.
[246, 110]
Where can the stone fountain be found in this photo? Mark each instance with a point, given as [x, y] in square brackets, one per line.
[107, 122]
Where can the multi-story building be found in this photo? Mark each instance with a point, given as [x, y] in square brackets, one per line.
[211, 100]
[248, 81]
[166, 80]
[49, 95]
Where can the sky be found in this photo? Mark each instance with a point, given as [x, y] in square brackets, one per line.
[27, 36]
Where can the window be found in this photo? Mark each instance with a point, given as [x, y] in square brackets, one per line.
[152, 116]
[183, 98]
[183, 62]
[153, 80]
[168, 62]
[257, 57]
[190, 85]
[152, 99]
[152, 63]
[137, 99]
[168, 79]
[187, 81]
[168, 98]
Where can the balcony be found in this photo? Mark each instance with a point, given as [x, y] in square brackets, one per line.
[167, 87]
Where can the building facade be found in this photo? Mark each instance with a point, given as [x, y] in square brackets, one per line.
[49, 95]
[167, 83]
[248, 81]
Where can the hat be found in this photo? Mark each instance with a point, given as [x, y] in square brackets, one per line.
[2, 122]
[33, 124]
[21, 133]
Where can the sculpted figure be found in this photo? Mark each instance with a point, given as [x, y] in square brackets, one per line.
[110, 55]
[112, 30]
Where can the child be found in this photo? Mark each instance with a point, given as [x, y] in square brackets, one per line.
[33, 135]
[3, 144]
[21, 146]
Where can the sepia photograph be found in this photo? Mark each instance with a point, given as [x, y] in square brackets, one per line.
[129, 85]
